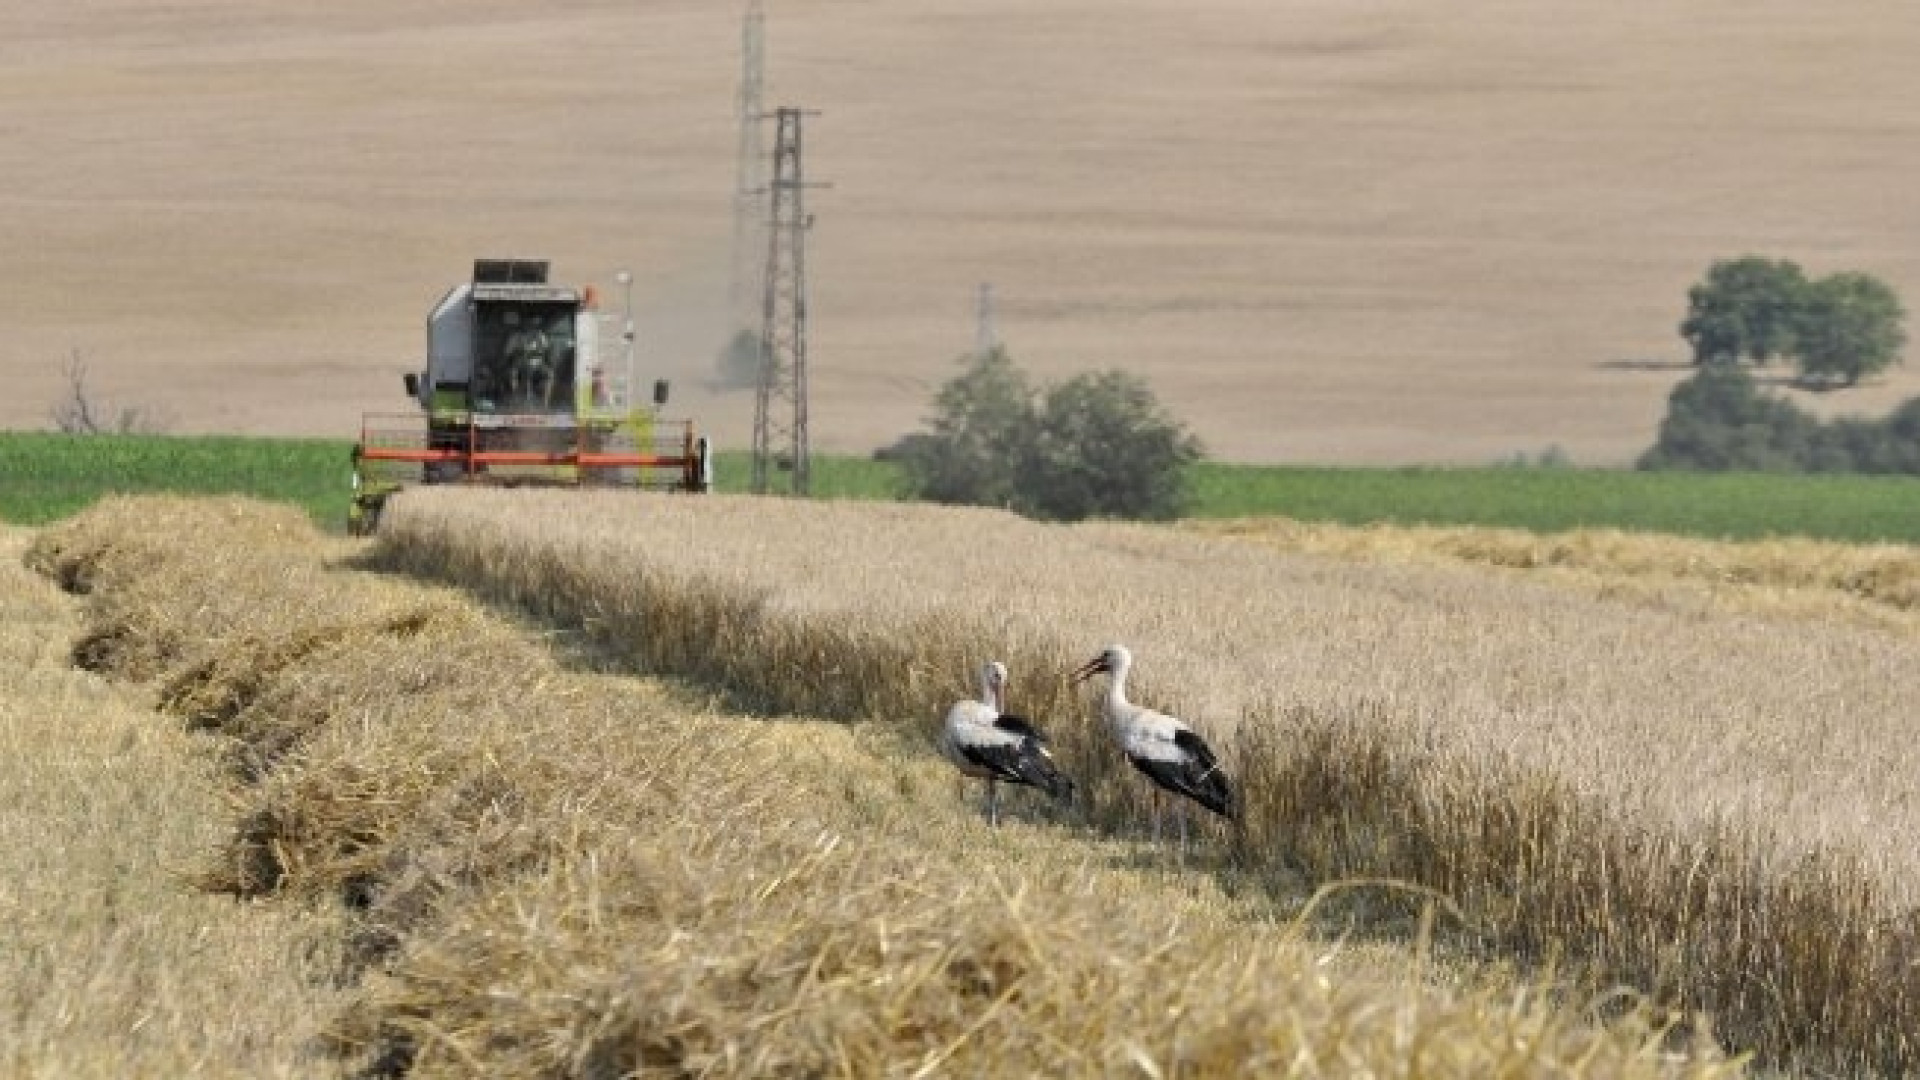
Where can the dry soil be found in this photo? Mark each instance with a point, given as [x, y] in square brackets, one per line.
[1327, 231]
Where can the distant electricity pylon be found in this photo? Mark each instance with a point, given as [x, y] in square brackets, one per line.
[749, 167]
[780, 407]
[986, 334]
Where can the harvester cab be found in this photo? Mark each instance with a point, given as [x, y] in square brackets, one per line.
[516, 391]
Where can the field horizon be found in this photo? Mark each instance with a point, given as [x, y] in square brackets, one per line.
[1392, 234]
[45, 476]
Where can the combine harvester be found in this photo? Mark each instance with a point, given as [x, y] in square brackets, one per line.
[516, 392]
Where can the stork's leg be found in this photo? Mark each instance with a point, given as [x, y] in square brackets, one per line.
[993, 802]
[1156, 815]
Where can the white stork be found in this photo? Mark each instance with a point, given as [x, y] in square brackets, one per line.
[1172, 754]
[989, 745]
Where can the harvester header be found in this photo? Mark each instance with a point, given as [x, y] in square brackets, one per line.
[516, 390]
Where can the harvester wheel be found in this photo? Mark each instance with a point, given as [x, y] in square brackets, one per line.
[363, 516]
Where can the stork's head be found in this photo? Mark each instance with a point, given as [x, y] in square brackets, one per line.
[993, 683]
[1113, 658]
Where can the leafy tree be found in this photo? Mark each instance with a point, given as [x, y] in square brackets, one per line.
[1849, 327]
[1747, 308]
[1095, 445]
[1837, 329]
[982, 434]
[1107, 448]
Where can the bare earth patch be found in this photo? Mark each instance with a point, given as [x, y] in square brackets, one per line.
[1385, 233]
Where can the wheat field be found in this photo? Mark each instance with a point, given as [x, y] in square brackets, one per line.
[1645, 698]
[1668, 784]
[541, 865]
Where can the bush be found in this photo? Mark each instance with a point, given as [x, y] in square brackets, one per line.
[1720, 421]
[1097, 445]
[983, 423]
[1106, 448]
[1554, 456]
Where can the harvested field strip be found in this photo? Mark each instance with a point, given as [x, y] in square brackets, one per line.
[552, 872]
[1820, 579]
[1669, 794]
[112, 963]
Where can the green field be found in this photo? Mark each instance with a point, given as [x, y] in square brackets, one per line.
[831, 476]
[1736, 506]
[1739, 506]
[44, 477]
[47, 476]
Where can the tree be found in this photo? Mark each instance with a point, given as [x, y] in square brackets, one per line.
[1849, 327]
[1747, 308]
[80, 412]
[982, 435]
[1095, 445]
[1107, 448]
[1837, 330]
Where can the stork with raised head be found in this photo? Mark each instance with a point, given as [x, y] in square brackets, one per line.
[987, 744]
[1163, 747]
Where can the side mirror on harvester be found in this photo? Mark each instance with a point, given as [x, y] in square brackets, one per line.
[412, 380]
[659, 391]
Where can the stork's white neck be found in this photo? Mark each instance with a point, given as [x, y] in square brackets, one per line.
[989, 691]
[1117, 704]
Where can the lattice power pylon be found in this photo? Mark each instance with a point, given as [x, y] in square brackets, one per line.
[986, 329]
[750, 169]
[780, 407]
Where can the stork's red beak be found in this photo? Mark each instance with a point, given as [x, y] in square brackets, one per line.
[1089, 669]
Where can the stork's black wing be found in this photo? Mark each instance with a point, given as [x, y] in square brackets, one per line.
[1020, 760]
[1019, 725]
[1195, 746]
[1194, 772]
